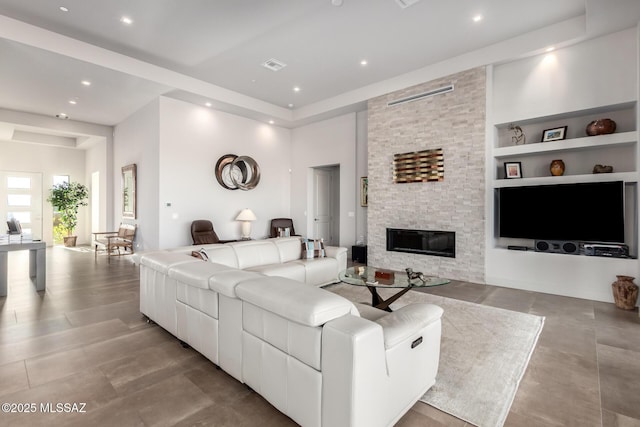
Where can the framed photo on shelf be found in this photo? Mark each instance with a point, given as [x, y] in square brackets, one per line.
[554, 134]
[512, 170]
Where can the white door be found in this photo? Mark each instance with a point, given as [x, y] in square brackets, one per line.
[95, 202]
[322, 183]
[21, 198]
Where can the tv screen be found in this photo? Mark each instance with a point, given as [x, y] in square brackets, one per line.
[587, 212]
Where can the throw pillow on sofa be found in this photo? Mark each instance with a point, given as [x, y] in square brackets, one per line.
[284, 232]
[313, 249]
[202, 254]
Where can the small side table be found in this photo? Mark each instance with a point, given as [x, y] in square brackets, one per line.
[359, 253]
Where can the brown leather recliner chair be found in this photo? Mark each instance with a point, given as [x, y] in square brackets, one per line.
[202, 233]
[281, 223]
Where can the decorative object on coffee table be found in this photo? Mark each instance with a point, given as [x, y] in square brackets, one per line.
[554, 134]
[625, 292]
[412, 275]
[556, 167]
[601, 127]
[602, 169]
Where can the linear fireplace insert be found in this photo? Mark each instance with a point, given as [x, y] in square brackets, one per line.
[426, 242]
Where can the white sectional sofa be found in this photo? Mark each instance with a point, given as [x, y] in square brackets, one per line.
[304, 349]
[277, 257]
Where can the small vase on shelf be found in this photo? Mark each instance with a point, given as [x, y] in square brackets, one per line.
[556, 167]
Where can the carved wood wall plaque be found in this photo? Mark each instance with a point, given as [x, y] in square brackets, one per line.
[418, 166]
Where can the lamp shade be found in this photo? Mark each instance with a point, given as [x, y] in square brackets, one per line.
[246, 215]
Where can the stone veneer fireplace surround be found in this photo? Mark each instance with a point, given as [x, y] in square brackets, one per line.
[455, 122]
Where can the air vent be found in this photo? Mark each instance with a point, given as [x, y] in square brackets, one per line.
[439, 91]
[274, 64]
[406, 3]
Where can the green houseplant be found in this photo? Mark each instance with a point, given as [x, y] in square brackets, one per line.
[67, 198]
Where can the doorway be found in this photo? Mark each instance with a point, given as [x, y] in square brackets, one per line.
[21, 198]
[326, 204]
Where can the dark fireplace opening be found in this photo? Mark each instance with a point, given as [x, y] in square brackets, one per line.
[426, 242]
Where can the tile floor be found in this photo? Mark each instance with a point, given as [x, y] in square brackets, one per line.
[84, 341]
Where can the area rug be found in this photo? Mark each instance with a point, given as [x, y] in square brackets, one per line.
[484, 354]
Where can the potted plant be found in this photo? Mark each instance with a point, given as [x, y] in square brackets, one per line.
[67, 198]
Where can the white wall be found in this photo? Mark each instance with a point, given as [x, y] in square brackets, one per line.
[49, 161]
[96, 161]
[325, 143]
[136, 141]
[192, 139]
[601, 71]
[362, 159]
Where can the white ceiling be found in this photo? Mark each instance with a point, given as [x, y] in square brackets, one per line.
[208, 50]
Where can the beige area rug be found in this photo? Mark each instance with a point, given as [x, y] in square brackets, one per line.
[484, 354]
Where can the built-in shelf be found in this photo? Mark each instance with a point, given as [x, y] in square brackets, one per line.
[568, 179]
[575, 144]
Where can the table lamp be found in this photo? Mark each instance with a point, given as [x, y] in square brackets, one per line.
[246, 216]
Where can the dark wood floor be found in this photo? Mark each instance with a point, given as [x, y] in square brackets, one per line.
[85, 342]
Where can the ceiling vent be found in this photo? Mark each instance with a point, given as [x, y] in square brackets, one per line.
[406, 3]
[439, 91]
[274, 64]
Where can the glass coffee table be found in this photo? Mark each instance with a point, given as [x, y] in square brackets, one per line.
[374, 278]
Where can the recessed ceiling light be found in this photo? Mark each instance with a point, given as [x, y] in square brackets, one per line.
[207, 104]
[363, 62]
[477, 18]
[296, 89]
[550, 49]
[63, 9]
[126, 20]
[271, 122]
[73, 102]
[62, 116]
[336, 2]
[86, 82]
[290, 105]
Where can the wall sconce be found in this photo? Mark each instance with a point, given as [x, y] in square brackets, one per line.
[246, 216]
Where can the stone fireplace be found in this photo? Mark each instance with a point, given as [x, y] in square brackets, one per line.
[425, 242]
[455, 122]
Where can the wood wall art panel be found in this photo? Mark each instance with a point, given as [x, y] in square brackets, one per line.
[418, 166]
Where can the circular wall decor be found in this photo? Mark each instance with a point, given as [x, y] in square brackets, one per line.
[237, 172]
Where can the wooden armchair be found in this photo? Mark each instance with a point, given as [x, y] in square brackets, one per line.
[114, 240]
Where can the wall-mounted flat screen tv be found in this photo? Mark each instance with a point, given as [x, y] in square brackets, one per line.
[587, 212]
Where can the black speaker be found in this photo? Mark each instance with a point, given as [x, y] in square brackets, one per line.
[557, 247]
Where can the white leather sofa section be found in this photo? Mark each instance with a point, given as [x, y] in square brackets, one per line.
[304, 349]
[158, 290]
[368, 373]
[277, 257]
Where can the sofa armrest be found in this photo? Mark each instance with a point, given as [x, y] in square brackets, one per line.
[407, 321]
[339, 253]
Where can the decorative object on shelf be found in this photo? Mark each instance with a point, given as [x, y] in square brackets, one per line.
[364, 191]
[625, 292]
[556, 167]
[512, 170]
[129, 197]
[554, 134]
[602, 169]
[601, 127]
[412, 275]
[518, 137]
[246, 216]
[418, 166]
[237, 172]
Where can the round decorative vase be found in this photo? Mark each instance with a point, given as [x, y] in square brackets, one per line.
[625, 292]
[556, 167]
[601, 127]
